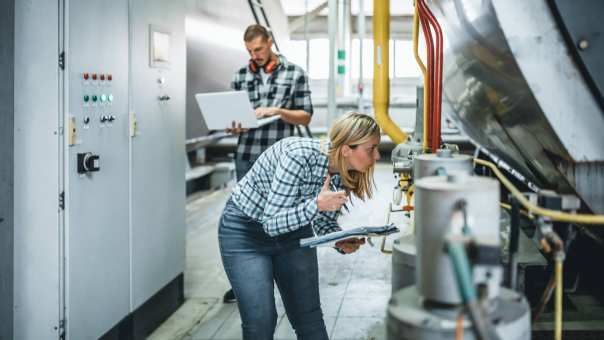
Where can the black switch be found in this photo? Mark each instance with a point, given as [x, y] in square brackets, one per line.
[88, 162]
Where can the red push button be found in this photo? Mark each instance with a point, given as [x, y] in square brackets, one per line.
[109, 77]
[102, 77]
[86, 76]
[94, 76]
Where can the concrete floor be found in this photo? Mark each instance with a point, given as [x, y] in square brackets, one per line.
[355, 288]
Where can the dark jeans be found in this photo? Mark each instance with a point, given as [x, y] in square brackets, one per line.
[253, 261]
[242, 167]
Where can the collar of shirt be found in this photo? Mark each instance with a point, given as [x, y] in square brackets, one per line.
[336, 180]
[282, 63]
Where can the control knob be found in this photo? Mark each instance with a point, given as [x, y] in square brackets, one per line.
[88, 162]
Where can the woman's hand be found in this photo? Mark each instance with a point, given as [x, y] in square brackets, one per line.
[350, 245]
[329, 200]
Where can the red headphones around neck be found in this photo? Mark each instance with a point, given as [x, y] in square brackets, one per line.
[269, 67]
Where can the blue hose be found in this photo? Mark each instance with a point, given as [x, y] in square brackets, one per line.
[461, 266]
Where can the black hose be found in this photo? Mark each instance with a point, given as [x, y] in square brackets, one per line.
[514, 241]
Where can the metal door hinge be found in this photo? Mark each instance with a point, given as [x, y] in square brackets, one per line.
[62, 323]
[62, 60]
[62, 200]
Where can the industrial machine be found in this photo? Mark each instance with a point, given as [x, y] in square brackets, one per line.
[98, 148]
[522, 80]
[404, 250]
[455, 212]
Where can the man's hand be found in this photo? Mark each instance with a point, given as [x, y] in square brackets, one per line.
[329, 200]
[266, 111]
[235, 128]
[350, 245]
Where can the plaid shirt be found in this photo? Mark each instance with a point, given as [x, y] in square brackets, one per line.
[280, 190]
[287, 88]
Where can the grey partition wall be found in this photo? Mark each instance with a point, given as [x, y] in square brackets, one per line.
[7, 32]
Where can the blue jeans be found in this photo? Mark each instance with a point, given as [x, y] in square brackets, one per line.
[253, 261]
[242, 167]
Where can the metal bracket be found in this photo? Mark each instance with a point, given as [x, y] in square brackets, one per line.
[62, 324]
[62, 60]
[62, 200]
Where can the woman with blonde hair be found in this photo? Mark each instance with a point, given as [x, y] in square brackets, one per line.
[296, 186]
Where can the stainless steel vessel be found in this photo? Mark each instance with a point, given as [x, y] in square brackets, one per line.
[519, 83]
[436, 216]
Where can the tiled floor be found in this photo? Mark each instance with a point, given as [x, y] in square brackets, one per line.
[354, 288]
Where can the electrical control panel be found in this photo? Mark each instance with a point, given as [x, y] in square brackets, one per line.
[107, 231]
[97, 100]
[97, 197]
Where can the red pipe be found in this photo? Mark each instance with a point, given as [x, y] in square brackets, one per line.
[439, 70]
[438, 76]
[432, 79]
[429, 73]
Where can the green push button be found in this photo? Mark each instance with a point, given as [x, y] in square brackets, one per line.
[103, 98]
[110, 98]
[94, 98]
[86, 98]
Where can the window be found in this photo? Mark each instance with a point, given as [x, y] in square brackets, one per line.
[402, 61]
[295, 51]
[406, 66]
[319, 59]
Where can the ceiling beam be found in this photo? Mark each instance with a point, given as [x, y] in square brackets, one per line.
[401, 27]
[298, 22]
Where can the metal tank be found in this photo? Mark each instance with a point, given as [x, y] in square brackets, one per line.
[429, 310]
[524, 80]
[436, 216]
[403, 262]
[442, 162]
[409, 318]
[403, 249]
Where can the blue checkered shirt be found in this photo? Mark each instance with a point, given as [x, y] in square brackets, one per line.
[287, 88]
[280, 190]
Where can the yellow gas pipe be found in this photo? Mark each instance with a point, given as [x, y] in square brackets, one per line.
[381, 80]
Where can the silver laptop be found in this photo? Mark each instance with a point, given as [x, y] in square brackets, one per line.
[220, 109]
